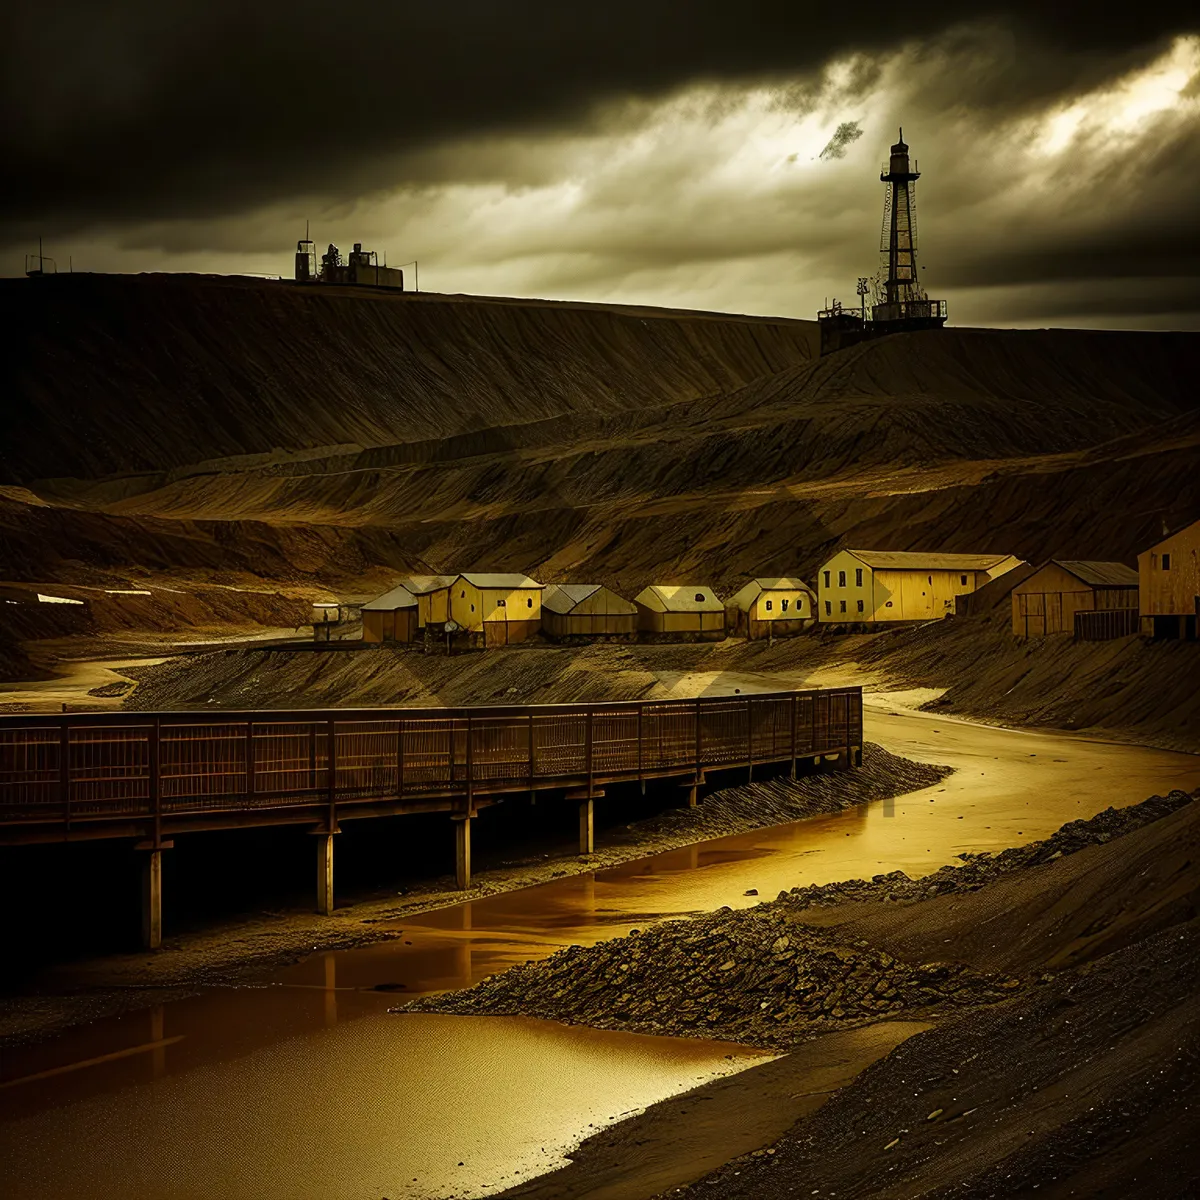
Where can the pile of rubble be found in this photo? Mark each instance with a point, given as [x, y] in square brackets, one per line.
[753, 976]
[760, 976]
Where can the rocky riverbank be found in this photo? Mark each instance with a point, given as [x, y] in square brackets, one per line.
[766, 977]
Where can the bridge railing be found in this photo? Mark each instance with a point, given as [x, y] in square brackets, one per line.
[85, 767]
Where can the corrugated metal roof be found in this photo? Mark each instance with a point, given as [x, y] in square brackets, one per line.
[746, 595]
[670, 598]
[500, 581]
[421, 585]
[398, 597]
[919, 560]
[562, 597]
[1100, 574]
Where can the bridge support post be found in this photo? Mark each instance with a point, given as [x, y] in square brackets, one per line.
[152, 901]
[325, 874]
[462, 852]
[587, 828]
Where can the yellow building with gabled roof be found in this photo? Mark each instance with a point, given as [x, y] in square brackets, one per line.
[500, 608]
[873, 586]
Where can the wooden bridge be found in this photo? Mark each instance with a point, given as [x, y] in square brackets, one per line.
[154, 776]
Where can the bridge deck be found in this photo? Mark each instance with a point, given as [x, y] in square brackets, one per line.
[148, 775]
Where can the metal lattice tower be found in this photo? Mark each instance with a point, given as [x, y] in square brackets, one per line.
[899, 237]
[899, 302]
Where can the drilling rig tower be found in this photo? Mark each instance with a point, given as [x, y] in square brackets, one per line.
[901, 303]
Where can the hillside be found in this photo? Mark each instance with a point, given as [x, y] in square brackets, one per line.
[121, 374]
[189, 426]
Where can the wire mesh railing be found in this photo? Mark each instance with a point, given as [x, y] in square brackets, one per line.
[95, 766]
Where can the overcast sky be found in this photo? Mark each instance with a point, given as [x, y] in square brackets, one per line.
[676, 152]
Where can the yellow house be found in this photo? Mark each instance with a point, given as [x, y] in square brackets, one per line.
[774, 607]
[1169, 579]
[872, 586]
[669, 613]
[496, 610]
[433, 597]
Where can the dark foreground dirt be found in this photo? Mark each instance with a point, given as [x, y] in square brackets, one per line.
[234, 950]
[1060, 980]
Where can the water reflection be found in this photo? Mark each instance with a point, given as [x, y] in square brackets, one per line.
[314, 1040]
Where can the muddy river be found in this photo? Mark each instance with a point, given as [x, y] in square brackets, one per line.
[304, 1084]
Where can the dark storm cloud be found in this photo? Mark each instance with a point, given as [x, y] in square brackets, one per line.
[846, 133]
[158, 108]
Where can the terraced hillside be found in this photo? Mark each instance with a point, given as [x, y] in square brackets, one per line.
[191, 424]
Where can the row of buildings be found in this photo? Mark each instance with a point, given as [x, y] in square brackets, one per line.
[1095, 600]
[487, 609]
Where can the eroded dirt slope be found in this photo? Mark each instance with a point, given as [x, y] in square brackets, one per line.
[204, 424]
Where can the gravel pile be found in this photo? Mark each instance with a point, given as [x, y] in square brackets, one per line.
[760, 976]
[753, 976]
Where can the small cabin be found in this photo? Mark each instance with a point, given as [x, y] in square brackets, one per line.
[767, 608]
[433, 598]
[876, 586]
[391, 617]
[685, 613]
[496, 609]
[1047, 601]
[586, 612]
[1169, 578]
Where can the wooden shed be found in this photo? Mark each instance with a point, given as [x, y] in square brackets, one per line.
[773, 607]
[391, 617]
[687, 613]
[433, 598]
[873, 586]
[1169, 574]
[587, 612]
[496, 609]
[1047, 601]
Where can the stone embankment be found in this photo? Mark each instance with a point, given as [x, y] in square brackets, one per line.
[980, 869]
[761, 976]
